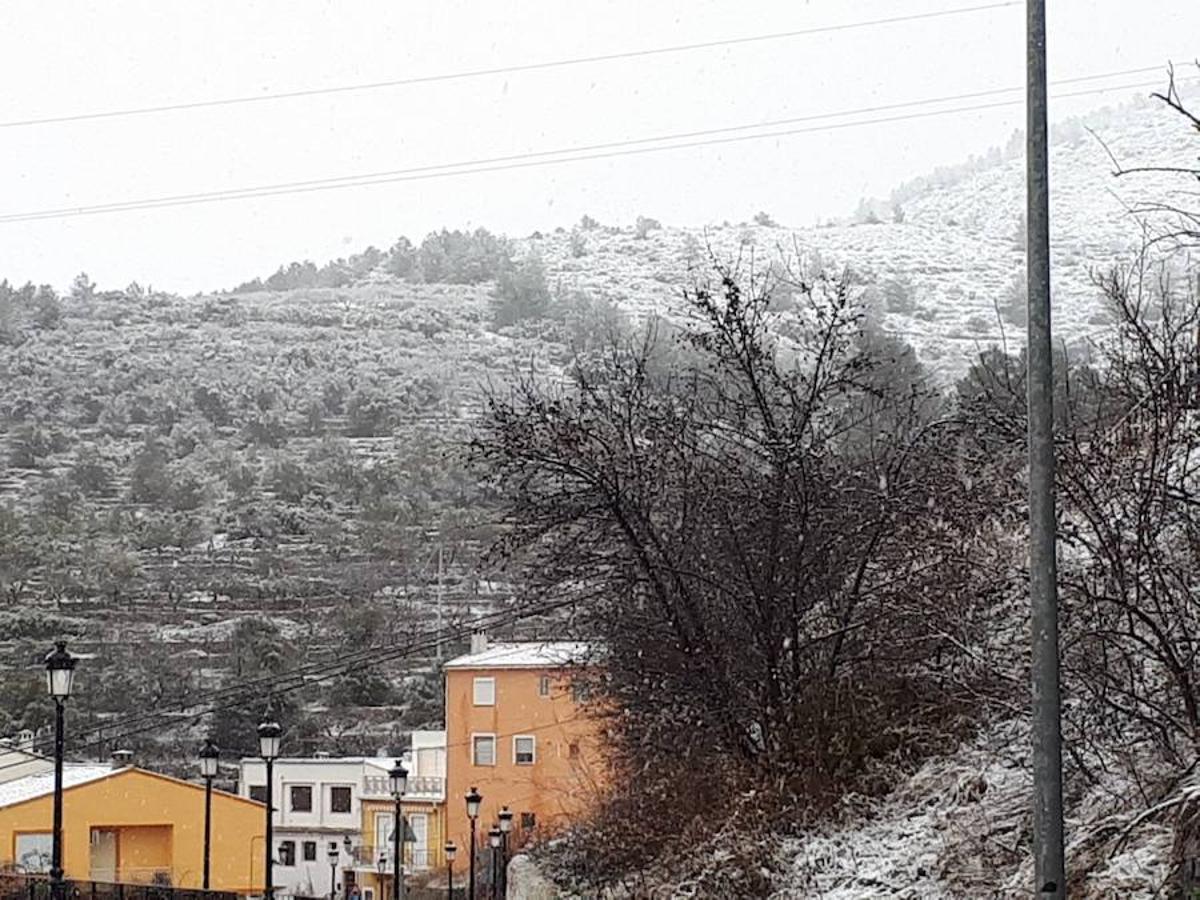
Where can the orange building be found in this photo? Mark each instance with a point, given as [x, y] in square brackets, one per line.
[133, 827]
[515, 730]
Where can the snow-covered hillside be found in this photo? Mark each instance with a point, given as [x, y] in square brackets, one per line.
[937, 276]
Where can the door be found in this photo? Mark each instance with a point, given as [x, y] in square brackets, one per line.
[418, 855]
[383, 837]
[103, 864]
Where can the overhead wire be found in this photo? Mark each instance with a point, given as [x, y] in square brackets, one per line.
[274, 684]
[505, 70]
[579, 153]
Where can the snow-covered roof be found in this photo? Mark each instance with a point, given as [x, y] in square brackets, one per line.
[524, 655]
[31, 786]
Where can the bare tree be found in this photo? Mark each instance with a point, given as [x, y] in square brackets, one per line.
[762, 516]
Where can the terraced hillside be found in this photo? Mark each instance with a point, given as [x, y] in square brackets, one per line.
[174, 467]
[175, 472]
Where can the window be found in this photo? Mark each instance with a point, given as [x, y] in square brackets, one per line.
[417, 852]
[33, 852]
[258, 792]
[580, 692]
[368, 894]
[339, 799]
[544, 686]
[287, 853]
[483, 749]
[383, 832]
[485, 691]
[301, 795]
[528, 821]
[310, 851]
[573, 750]
[523, 749]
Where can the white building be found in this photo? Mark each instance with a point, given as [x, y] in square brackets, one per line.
[318, 805]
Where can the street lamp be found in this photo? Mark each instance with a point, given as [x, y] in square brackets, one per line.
[398, 777]
[494, 840]
[451, 852]
[334, 852]
[60, 677]
[506, 819]
[381, 865]
[269, 733]
[210, 756]
[473, 801]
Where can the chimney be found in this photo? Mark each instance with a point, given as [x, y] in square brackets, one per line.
[122, 759]
[479, 642]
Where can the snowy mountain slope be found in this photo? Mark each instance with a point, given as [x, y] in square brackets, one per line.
[957, 253]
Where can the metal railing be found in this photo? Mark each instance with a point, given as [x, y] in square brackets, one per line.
[414, 858]
[420, 787]
[18, 886]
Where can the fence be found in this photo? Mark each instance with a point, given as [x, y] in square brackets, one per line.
[27, 887]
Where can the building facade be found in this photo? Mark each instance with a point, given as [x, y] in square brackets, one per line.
[345, 803]
[516, 731]
[424, 809]
[132, 826]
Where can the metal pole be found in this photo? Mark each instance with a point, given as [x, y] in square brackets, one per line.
[1049, 865]
[503, 864]
[333, 881]
[269, 883]
[439, 600]
[56, 865]
[471, 860]
[397, 862]
[207, 827]
[450, 880]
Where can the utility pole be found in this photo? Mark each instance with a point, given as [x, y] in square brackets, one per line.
[1049, 865]
[438, 595]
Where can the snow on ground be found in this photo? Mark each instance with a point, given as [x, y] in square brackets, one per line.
[904, 845]
[959, 827]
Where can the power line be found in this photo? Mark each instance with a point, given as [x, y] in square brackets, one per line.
[293, 679]
[504, 70]
[559, 156]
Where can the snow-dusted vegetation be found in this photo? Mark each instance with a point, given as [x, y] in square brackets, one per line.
[780, 468]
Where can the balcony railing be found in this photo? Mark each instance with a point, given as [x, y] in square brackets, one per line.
[415, 859]
[420, 787]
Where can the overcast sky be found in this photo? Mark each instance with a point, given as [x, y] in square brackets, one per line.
[66, 59]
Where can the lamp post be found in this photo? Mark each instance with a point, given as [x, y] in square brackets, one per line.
[381, 866]
[269, 733]
[60, 677]
[473, 801]
[451, 852]
[334, 853]
[398, 776]
[494, 840]
[506, 819]
[210, 756]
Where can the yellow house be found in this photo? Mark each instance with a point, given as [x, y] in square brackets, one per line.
[424, 808]
[132, 826]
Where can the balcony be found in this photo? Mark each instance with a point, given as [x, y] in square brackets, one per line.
[366, 859]
[421, 788]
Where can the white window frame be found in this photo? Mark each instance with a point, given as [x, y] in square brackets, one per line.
[475, 737]
[481, 682]
[532, 751]
[385, 824]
